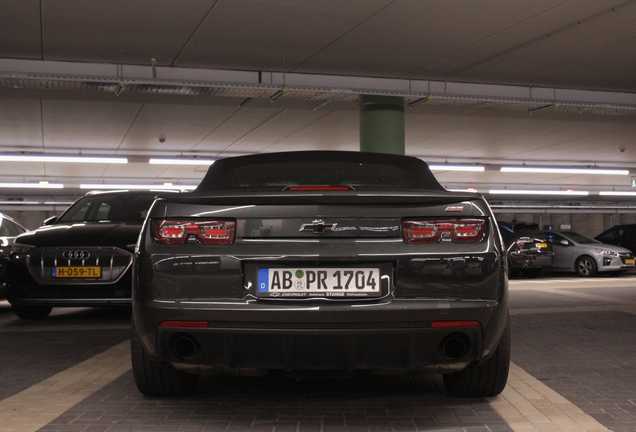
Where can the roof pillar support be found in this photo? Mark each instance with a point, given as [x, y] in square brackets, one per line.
[382, 124]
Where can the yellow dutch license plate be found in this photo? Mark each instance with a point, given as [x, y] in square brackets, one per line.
[542, 245]
[629, 261]
[89, 272]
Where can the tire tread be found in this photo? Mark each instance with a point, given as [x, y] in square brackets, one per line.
[486, 379]
[157, 378]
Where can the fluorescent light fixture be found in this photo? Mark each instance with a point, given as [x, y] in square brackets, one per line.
[181, 161]
[19, 203]
[444, 167]
[136, 186]
[40, 185]
[75, 159]
[557, 170]
[536, 192]
[616, 193]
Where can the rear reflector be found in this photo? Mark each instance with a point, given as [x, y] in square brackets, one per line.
[447, 324]
[206, 232]
[432, 231]
[186, 324]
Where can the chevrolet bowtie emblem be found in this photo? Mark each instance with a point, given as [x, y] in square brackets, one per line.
[318, 226]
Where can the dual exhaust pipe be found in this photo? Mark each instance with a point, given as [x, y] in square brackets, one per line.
[453, 347]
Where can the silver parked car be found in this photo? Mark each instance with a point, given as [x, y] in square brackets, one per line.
[586, 256]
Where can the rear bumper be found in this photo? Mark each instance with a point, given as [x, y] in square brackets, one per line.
[394, 336]
[531, 261]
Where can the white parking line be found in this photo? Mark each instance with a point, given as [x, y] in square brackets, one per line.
[527, 404]
[40, 404]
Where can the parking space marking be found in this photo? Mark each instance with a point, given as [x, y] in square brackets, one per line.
[527, 404]
[40, 404]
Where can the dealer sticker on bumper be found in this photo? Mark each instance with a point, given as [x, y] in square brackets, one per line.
[318, 282]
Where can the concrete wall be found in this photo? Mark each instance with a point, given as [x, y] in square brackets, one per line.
[591, 224]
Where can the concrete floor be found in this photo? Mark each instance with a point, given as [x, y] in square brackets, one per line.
[574, 369]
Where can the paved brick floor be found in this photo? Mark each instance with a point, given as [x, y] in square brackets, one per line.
[574, 355]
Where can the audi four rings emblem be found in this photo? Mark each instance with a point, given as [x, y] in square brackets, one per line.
[76, 254]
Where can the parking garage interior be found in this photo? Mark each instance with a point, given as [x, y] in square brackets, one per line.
[156, 90]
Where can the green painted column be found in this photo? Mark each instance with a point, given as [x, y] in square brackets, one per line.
[382, 124]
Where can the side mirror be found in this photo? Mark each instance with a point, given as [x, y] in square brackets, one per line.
[564, 242]
[50, 221]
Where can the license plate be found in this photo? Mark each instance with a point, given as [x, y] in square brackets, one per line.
[318, 282]
[541, 245]
[629, 261]
[91, 272]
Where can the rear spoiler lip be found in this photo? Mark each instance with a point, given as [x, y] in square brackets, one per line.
[351, 197]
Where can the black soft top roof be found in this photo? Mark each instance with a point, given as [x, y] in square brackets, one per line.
[360, 170]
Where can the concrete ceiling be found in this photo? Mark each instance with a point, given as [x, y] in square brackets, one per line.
[220, 65]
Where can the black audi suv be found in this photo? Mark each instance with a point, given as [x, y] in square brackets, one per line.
[81, 258]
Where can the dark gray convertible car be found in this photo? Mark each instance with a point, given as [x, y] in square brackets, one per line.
[320, 264]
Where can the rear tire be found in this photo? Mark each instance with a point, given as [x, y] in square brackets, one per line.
[157, 378]
[31, 312]
[585, 266]
[486, 379]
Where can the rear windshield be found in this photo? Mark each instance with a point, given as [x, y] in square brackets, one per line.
[119, 208]
[359, 170]
[280, 175]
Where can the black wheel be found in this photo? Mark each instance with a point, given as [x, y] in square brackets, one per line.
[486, 379]
[156, 377]
[585, 266]
[532, 273]
[31, 312]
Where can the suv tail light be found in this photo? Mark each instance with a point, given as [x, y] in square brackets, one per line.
[206, 232]
[432, 231]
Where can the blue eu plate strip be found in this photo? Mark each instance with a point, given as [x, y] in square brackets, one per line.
[263, 280]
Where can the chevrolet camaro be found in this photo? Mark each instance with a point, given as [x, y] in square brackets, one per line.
[320, 263]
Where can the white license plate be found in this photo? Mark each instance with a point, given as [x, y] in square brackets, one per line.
[318, 282]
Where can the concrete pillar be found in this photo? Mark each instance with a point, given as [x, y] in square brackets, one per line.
[382, 124]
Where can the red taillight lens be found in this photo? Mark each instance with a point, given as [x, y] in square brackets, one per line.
[318, 188]
[450, 324]
[431, 231]
[184, 324]
[206, 232]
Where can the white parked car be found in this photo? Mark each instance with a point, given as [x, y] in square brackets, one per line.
[586, 256]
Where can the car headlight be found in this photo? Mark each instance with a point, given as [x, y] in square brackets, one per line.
[20, 248]
[607, 252]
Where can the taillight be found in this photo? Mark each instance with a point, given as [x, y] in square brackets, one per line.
[432, 231]
[318, 188]
[206, 232]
